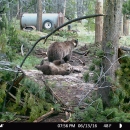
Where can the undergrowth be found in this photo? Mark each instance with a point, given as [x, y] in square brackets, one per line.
[119, 109]
[29, 100]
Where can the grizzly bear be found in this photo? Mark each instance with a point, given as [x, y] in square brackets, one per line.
[61, 50]
[55, 68]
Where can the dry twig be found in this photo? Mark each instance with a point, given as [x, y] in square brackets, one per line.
[21, 103]
[68, 116]
[79, 60]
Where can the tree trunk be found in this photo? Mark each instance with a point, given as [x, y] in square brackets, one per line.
[59, 6]
[8, 11]
[98, 21]
[11, 11]
[79, 8]
[110, 41]
[43, 3]
[121, 31]
[125, 25]
[64, 7]
[19, 9]
[39, 15]
[35, 6]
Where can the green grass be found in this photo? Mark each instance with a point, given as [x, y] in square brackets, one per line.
[29, 63]
[125, 40]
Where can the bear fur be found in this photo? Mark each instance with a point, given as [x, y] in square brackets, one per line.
[61, 50]
[55, 69]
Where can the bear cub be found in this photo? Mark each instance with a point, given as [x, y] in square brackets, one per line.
[55, 68]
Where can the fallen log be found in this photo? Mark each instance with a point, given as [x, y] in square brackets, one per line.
[39, 119]
[53, 94]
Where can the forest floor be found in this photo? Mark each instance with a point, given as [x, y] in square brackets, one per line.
[70, 89]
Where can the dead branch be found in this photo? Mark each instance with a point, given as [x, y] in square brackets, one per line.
[44, 116]
[52, 93]
[124, 48]
[68, 116]
[24, 117]
[22, 52]
[12, 120]
[68, 110]
[17, 81]
[40, 52]
[79, 60]
[80, 53]
[21, 103]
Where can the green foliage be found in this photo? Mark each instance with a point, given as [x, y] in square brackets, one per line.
[90, 23]
[119, 105]
[35, 101]
[109, 44]
[3, 41]
[86, 76]
[100, 53]
[97, 61]
[97, 113]
[71, 9]
[109, 79]
[95, 77]
[9, 42]
[66, 34]
[30, 62]
[2, 94]
[119, 96]
[126, 7]
[3, 23]
[34, 88]
[7, 116]
[123, 74]
[13, 40]
[57, 107]
[30, 100]
[6, 76]
[95, 66]
[115, 99]
[92, 67]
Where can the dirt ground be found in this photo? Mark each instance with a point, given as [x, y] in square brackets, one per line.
[70, 89]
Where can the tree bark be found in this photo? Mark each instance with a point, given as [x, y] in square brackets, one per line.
[79, 8]
[98, 21]
[111, 34]
[39, 15]
[44, 10]
[8, 12]
[64, 7]
[35, 6]
[125, 25]
[19, 9]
